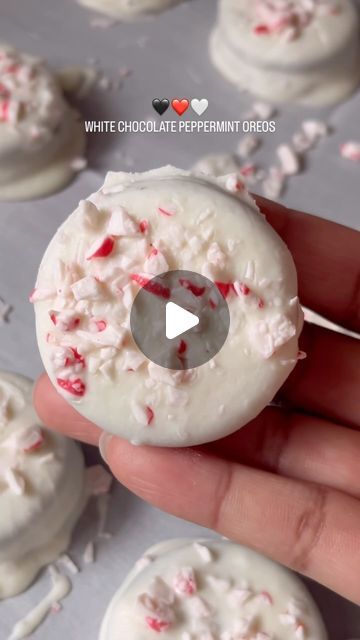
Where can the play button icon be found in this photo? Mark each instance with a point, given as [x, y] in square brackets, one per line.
[179, 320]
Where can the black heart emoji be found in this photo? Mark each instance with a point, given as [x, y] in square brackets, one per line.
[160, 106]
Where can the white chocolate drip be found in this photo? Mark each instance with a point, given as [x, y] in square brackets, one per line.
[61, 587]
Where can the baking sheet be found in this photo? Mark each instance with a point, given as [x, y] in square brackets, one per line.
[167, 56]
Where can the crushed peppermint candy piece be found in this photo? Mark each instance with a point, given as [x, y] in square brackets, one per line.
[15, 481]
[296, 608]
[166, 212]
[155, 263]
[143, 414]
[31, 439]
[243, 627]
[69, 563]
[220, 585]
[143, 562]
[268, 336]
[78, 164]
[239, 596]
[288, 17]
[262, 111]
[204, 552]
[234, 184]
[351, 151]
[101, 248]
[274, 183]
[85, 288]
[248, 145]
[300, 632]
[288, 619]
[37, 295]
[156, 624]
[144, 226]
[89, 553]
[65, 320]
[290, 162]
[73, 387]
[216, 256]
[98, 480]
[199, 608]
[88, 214]
[184, 582]
[121, 224]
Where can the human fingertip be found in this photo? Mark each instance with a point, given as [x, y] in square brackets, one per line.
[104, 445]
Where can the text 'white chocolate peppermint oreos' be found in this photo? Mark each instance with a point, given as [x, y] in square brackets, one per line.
[211, 590]
[122, 240]
[42, 488]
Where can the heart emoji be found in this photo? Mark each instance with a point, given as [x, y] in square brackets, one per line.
[180, 106]
[199, 106]
[160, 106]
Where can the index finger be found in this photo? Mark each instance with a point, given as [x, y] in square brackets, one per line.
[311, 528]
[326, 255]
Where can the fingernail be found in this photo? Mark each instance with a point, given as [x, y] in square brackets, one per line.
[104, 442]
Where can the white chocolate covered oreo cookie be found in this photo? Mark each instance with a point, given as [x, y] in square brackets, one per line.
[289, 50]
[128, 9]
[41, 137]
[42, 488]
[211, 590]
[136, 227]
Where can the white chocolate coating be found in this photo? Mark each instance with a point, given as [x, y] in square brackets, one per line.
[61, 587]
[42, 488]
[128, 9]
[309, 53]
[83, 303]
[40, 135]
[211, 590]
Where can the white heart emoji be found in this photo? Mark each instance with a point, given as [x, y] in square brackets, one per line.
[199, 106]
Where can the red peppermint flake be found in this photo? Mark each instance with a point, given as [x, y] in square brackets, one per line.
[166, 213]
[247, 170]
[102, 250]
[244, 289]
[100, 325]
[12, 68]
[35, 441]
[267, 597]
[151, 286]
[154, 252]
[156, 624]
[182, 348]
[4, 110]
[77, 358]
[193, 288]
[158, 289]
[4, 91]
[261, 303]
[66, 324]
[224, 288]
[261, 29]
[139, 279]
[144, 226]
[74, 387]
[150, 415]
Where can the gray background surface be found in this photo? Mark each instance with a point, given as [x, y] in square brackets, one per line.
[168, 57]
